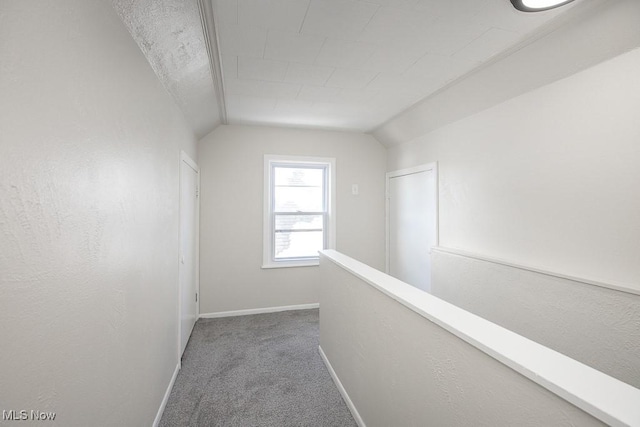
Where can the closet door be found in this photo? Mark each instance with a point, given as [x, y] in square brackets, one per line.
[411, 224]
[189, 218]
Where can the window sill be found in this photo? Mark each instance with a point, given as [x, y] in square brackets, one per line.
[313, 263]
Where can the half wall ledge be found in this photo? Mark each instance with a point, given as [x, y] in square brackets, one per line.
[360, 324]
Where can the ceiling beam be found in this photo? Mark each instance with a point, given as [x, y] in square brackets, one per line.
[207, 19]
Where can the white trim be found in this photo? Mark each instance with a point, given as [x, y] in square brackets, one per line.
[342, 390]
[210, 33]
[403, 172]
[184, 157]
[267, 237]
[258, 311]
[628, 288]
[313, 263]
[606, 398]
[165, 399]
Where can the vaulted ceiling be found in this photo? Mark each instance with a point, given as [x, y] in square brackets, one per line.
[354, 64]
[338, 64]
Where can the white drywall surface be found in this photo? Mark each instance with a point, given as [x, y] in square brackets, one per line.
[231, 161]
[90, 144]
[597, 326]
[170, 35]
[548, 179]
[402, 369]
[592, 32]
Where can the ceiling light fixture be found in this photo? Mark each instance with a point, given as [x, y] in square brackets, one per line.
[538, 5]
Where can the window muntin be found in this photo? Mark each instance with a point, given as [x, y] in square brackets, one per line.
[298, 219]
[298, 236]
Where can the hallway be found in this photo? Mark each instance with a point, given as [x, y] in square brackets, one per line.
[258, 370]
[111, 249]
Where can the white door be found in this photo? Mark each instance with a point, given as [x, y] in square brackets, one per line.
[188, 297]
[412, 224]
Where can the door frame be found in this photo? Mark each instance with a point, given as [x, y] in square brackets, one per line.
[184, 158]
[433, 166]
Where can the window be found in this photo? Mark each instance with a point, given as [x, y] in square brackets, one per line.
[298, 210]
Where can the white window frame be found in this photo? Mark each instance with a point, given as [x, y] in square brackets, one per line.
[268, 259]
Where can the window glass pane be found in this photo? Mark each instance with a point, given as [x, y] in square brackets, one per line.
[298, 235]
[298, 244]
[292, 176]
[298, 189]
[299, 222]
[298, 199]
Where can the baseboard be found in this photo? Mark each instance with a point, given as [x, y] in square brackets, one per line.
[166, 396]
[341, 389]
[258, 311]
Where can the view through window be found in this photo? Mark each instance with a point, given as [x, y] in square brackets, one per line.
[298, 211]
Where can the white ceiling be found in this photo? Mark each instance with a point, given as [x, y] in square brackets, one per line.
[591, 32]
[350, 64]
[336, 64]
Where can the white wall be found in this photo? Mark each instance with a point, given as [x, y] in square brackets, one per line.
[548, 179]
[399, 365]
[89, 156]
[597, 326]
[231, 162]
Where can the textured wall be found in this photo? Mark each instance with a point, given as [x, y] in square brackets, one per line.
[401, 369]
[548, 179]
[170, 35]
[89, 144]
[231, 162]
[597, 326]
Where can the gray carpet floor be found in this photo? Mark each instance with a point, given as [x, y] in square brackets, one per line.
[259, 370]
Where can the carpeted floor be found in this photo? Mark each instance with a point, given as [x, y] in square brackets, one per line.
[259, 370]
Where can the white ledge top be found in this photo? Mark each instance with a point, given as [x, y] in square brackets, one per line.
[606, 398]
